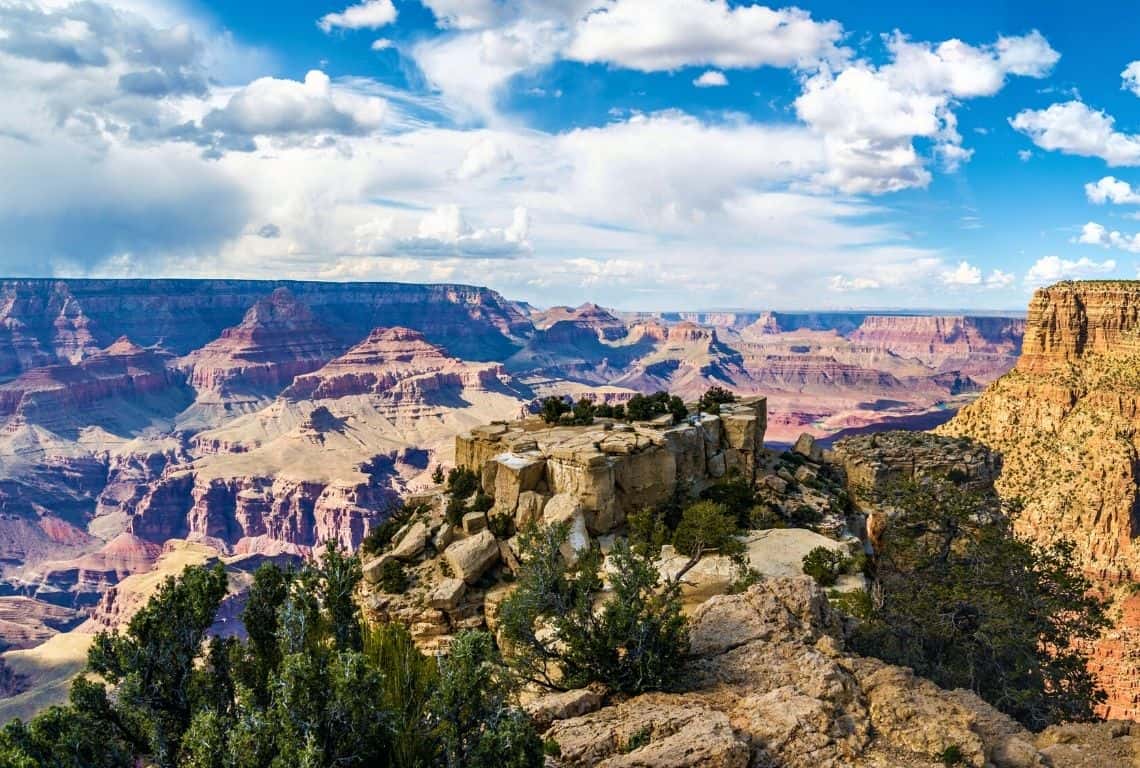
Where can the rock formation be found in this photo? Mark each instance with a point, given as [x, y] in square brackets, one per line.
[1067, 424]
[277, 340]
[769, 684]
[611, 469]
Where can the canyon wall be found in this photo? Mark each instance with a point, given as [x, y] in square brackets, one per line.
[1066, 421]
[45, 321]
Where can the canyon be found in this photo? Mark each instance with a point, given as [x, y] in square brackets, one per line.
[263, 417]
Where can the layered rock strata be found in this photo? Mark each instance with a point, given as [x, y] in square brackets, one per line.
[612, 469]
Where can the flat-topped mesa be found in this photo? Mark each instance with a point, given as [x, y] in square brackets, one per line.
[607, 470]
[1069, 320]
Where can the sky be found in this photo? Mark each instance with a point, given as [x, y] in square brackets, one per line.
[641, 154]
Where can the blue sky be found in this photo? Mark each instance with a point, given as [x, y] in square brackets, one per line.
[645, 154]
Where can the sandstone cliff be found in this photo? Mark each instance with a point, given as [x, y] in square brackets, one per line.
[1067, 423]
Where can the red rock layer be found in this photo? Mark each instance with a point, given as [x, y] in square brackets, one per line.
[1070, 320]
[277, 340]
[396, 362]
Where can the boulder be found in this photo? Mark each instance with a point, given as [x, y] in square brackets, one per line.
[412, 543]
[806, 446]
[717, 465]
[447, 594]
[374, 567]
[471, 557]
[513, 474]
[780, 551]
[444, 535]
[561, 706]
[529, 508]
[674, 736]
[806, 474]
[712, 575]
[564, 508]
[473, 522]
[777, 484]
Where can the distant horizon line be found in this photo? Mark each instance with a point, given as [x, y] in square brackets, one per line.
[889, 310]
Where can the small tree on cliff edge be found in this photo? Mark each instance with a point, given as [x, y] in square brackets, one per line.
[964, 601]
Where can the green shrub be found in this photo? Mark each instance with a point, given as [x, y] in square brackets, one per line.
[437, 476]
[551, 748]
[631, 637]
[461, 483]
[583, 413]
[638, 739]
[736, 495]
[502, 525]
[713, 398]
[824, 565]
[553, 408]
[482, 502]
[393, 578]
[856, 603]
[961, 599]
[706, 526]
[952, 755]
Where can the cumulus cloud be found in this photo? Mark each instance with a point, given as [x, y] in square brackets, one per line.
[381, 44]
[999, 279]
[659, 35]
[483, 157]
[274, 107]
[963, 275]
[1050, 269]
[1130, 77]
[1074, 128]
[446, 232]
[870, 116]
[711, 78]
[1112, 190]
[1096, 234]
[370, 14]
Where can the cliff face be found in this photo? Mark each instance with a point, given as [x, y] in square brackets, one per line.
[959, 342]
[1067, 423]
[47, 321]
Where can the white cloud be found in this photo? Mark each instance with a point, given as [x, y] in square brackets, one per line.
[998, 279]
[844, 284]
[658, 35]
[1050, 269]
[1096, 234]
[1076, 129]
[446, 232]
[1131, 77]
[275, 107]
[963, 275]
[711, 79]
[370, 14]
[484, 156]
[381, 44]
[1112, 190]
[1025, 155]
[870, 116]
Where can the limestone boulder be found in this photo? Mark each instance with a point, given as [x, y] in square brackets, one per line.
[514, 474]
[447, 594]
[375, 567]
[675, 735]
[806, 446]
[471, 557]
[412, 543]
[562, 706]
[473, 522]
[529, 508]
[565, 508]
[780, 551]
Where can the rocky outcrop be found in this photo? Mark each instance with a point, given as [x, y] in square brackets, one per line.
[399, 363]
[277, 340]
[612, 469]
[768, 684]
[1067, 424]
[63, 395]
[874, 461]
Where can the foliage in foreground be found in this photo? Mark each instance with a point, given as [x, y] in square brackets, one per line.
[308, 688]
[557, 636]
[965, 602]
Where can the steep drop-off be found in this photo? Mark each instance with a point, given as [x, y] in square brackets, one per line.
[1067, 423]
